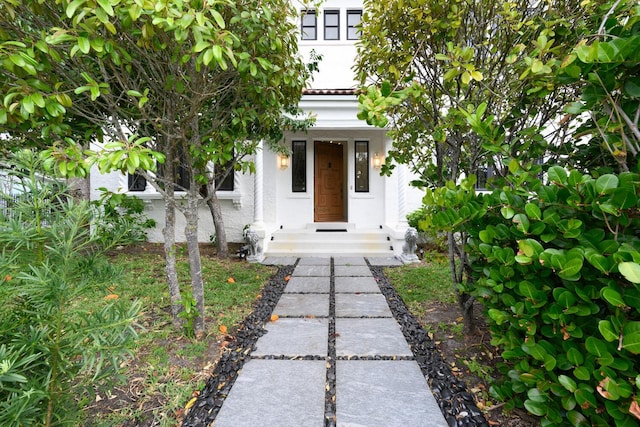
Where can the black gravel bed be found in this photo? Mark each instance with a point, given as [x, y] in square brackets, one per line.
[210, 399]
[456, 403]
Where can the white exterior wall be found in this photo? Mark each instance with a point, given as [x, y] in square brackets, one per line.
[338, 55]
[237, 207]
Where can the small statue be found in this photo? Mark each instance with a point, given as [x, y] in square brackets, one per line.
[252, 239]
[410, 246]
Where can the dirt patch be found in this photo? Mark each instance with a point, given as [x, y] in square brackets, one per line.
[471, 358]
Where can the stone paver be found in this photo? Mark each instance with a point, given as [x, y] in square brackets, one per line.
[354, 285]
[277, 386]
[389, 393]
[359, 305]
[318, 285]
[284, 393]
[315, 261]
[312, 270]
[310, 338]
[370, 337]
[302, 305]
[349, 261]
[352, 271]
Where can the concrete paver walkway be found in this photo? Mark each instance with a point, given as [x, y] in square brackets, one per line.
[335, 356]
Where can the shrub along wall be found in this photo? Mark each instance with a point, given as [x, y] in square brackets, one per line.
[557, 268]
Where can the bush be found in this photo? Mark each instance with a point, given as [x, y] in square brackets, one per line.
[120, 218]
[63, 330]
[557, 268]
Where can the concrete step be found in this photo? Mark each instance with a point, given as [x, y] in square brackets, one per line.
[308, 242]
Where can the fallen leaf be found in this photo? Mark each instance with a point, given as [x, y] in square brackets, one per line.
[223, 329]
[274, 317]
[111, 297]
[190, 403]
[231, 280]
[287, 278]
[7, 278]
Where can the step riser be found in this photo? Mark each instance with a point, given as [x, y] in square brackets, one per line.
[352, 242]
[351, 246]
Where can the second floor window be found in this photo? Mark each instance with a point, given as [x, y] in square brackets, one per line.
[332, 25]
[354, 16]
[309, 25]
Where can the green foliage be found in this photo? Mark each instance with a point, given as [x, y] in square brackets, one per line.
[428, 60]
[555, 267]
[189, 313]
[54, 347]
[121, 218]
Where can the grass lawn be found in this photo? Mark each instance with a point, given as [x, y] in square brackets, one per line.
[167, 367]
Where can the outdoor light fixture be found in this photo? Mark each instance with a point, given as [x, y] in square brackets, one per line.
[283, 161]
[377, 161]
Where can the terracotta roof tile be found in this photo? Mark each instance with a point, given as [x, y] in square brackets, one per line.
[329, 91]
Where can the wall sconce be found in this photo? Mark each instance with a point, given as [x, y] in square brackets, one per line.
[377, 161]
[283, 161]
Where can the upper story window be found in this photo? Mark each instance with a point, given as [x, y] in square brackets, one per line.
[309, 25]
[354, 16]
[332, 25]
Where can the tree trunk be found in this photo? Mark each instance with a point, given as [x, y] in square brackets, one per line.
[171, 271]
[465, 301]
[80, 188]
[222, 249]
[195, 266]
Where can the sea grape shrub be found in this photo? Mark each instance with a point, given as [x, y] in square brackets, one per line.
[557, 268]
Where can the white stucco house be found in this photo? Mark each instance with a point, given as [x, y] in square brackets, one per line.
[327, 197]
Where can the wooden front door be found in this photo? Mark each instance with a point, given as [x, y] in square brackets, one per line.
[329, 182]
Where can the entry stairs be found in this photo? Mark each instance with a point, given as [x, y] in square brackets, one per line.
[330, 239]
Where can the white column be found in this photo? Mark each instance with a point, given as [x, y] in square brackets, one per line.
[402, 197]
[258, 189]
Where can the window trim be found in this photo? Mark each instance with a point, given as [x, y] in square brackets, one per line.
[351, 12]
[299, 164]
[303, 34]
[336, 13]
[363, 165]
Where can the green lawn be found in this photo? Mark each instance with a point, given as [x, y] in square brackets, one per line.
[167, 367]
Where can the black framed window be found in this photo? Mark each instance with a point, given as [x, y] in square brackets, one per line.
[225, 182]
[483, 175]
[181, 174]
[299, 166]
[136, 182]
[362, 166]
[309, 25]
[332, 25]
[354, 17]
